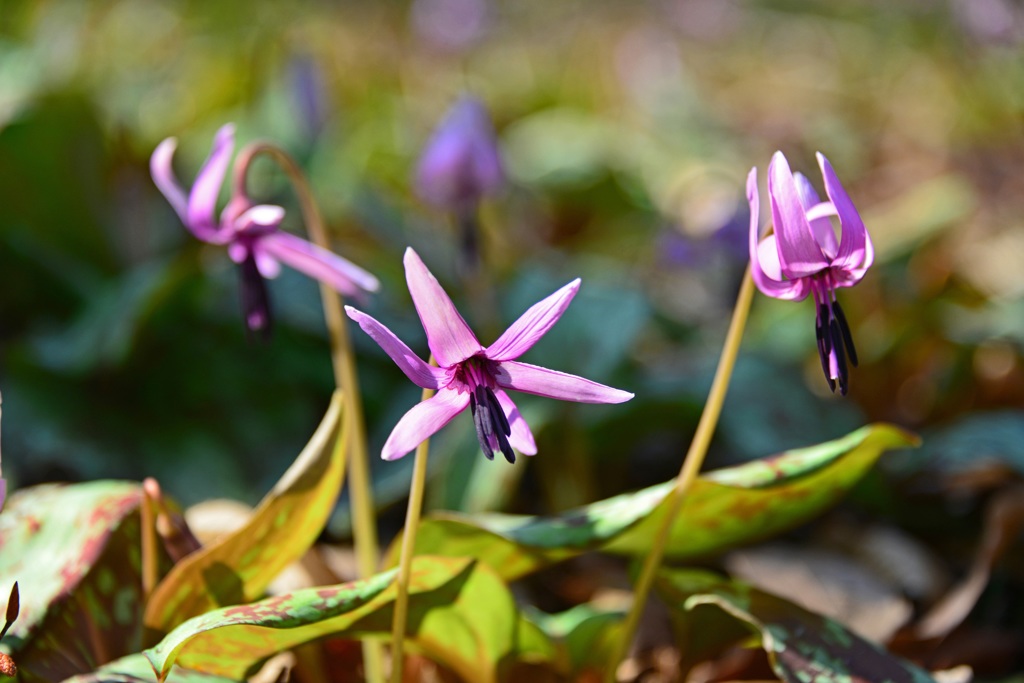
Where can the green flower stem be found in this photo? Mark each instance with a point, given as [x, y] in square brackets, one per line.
[343, 359]
[412, 522]
[688, 474]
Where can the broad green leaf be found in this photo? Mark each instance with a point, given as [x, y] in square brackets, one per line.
[238, 568]
[460, 614]
[135, 668]
[74, 551]
[723, 509]
[586, 633]
[801, 646]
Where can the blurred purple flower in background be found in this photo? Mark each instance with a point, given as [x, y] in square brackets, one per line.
[251, 232]
[461, 163]
[470, 375]
[802, 255]
[306, 82]
[451, 24]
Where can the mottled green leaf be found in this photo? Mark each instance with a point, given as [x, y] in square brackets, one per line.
[135, 668]
[74, 550]
[238, 568]
[460, 614]
[723, 509]
[802, 647]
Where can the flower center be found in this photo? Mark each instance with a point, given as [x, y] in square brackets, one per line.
[255, 297]
[492, 426]
[835, 343]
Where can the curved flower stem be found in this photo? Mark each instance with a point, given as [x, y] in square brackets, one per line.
[412, 522]
[343, 360]
[688, 474]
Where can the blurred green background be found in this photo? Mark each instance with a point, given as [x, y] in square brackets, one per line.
[628, 130]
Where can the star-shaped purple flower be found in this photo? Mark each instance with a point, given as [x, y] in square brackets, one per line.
[470, 375]
[251, 232]
[802, 255]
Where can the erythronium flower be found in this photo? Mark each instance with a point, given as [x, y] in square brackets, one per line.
[802, 255]
[461, 163]
[251, 232]
[470, 375]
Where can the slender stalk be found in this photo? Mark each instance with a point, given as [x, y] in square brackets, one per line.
[688, 473]
[412, 522]
[343, 359]
[147, 518]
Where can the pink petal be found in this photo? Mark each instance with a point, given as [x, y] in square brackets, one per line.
[449, 337]
[531, 379]
[260, 216]
[817, 215]
[267, 264]
[764, 256]
[320, 264]
[532, 325]
[163, 176]
[238, 251]
[422, 374]
[855, 249]
[799, 253]
[422, 421]
[521, 438]
[821, 227]
[202, 201]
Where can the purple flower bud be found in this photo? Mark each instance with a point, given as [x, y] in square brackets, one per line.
[461, 164]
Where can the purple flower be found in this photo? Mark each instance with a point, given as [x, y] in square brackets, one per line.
[470, 375]
[803, 257]
[461, 163]
[251, 232]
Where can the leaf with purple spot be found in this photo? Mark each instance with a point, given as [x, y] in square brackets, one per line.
[461, 614]
[239, 567]
[724, 509]
[802, 646]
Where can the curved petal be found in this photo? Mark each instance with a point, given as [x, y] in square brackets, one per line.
[320, 264]
[799, 253]
[764, 256]
[202, 200]
[449, 337]
[817, 215]
[423, 421]
[808, 195]
[531, 379]
[532, 325]
[261, 216]
[855, 249]
[521, 437]
[422, 374]
[163, 176]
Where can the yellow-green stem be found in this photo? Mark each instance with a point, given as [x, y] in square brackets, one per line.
[345, 377]
[412, 522]
[688, 473]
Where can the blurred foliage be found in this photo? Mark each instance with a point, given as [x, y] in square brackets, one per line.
[627, 129]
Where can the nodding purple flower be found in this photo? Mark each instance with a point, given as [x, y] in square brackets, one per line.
[461, 163]
[802, 255]
[469, 375]
[251, 232]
